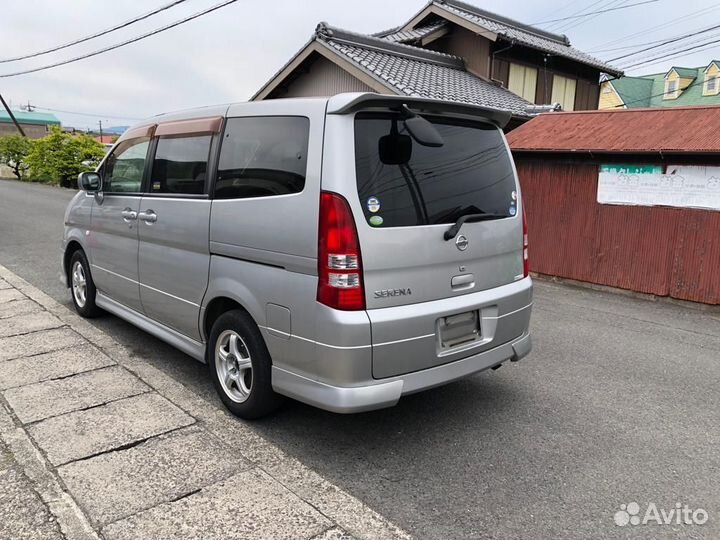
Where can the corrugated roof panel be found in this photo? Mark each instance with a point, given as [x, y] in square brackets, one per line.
[677, 129]
[24, 117]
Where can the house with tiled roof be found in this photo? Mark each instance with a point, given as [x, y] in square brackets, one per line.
[676, 87]
[449, 50]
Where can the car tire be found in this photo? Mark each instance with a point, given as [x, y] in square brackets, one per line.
[240, 366]
[82, 286]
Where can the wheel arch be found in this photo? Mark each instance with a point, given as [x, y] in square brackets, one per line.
[216, 307]
[70, 249]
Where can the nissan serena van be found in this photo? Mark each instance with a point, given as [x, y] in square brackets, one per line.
[341, 251]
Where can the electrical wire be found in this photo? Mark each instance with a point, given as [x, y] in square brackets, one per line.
[616, 4]
[122, 44]
[671, 54]
[96, 35]
[667, 42]
[645, 31]
[595, 12]
[578, 12]
[93, 115]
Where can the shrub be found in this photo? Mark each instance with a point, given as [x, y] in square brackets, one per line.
[14, 150]
[60, 157]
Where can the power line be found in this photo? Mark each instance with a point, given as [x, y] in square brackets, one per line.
[595, 12]
[616, 4]
[671, 54]
[122, 44]
[626, 47]
[581, 10]
[672, 40]
[647, 30]
[92, 115]
[96, 35]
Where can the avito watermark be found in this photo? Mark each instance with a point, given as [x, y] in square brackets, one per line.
[680, 514]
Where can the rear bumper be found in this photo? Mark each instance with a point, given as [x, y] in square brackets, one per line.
[387, 392]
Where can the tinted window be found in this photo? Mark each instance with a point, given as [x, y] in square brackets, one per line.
[123, 169]
[262, 156]
[410, 184]
[180, 165]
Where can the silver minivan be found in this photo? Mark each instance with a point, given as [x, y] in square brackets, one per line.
[341, 251]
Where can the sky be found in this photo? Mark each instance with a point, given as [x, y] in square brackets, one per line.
[227, 55]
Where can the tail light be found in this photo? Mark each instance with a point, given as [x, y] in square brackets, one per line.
[526, 261]
[340, 276]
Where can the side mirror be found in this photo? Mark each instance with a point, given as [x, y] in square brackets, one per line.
[90, 182]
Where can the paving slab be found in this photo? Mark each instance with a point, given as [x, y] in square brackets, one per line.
[38, 343]
[4, 284]
[117, 484]
[250, 505]
[32, 322]
[18, 307]
[10, 295]
[82, 434]
[335, 533]
[53, 398]
[23, 516]
[52, 365]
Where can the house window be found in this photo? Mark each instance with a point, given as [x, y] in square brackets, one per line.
[563, 92]
[523, 81]
[712, 85]
[671, 89]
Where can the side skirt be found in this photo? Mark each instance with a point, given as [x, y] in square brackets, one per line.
[176, 339]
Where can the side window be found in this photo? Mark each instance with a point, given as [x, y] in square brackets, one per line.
[123, 169]
[262, 157]
[180, 165]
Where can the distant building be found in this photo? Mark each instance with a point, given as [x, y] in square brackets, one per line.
[449, 50]
[35, 124]
[106, 139]
[677, 87]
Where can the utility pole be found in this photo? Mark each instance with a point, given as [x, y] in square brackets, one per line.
[100, 122]
[28, 107]
[12, 116]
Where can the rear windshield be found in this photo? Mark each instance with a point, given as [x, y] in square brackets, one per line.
[470, 173]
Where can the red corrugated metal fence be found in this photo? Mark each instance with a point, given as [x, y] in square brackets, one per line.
[664, 251]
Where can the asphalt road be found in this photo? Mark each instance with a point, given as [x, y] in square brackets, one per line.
[617, 403]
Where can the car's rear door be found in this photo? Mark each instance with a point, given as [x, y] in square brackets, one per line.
[174, 221]
[431, 300]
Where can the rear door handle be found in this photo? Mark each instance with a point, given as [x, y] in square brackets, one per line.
[463, 281]
[128, 214]
[148, 216]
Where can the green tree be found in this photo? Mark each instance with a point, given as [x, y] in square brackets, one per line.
[60, 157]
[14, 150]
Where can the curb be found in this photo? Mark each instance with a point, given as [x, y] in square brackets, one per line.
[347, 512]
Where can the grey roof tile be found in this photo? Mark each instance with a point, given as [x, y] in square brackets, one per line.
[436, 76]
[406, 36]
[524, 34]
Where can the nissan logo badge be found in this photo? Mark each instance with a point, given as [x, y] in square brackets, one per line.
[461, 242]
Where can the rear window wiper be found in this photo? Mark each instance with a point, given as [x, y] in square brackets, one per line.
[469, 218]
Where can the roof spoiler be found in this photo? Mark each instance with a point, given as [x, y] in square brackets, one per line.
[350, 103]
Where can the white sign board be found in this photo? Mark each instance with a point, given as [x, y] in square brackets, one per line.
[684, 186]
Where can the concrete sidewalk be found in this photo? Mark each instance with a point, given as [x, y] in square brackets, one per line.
[97, 444]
